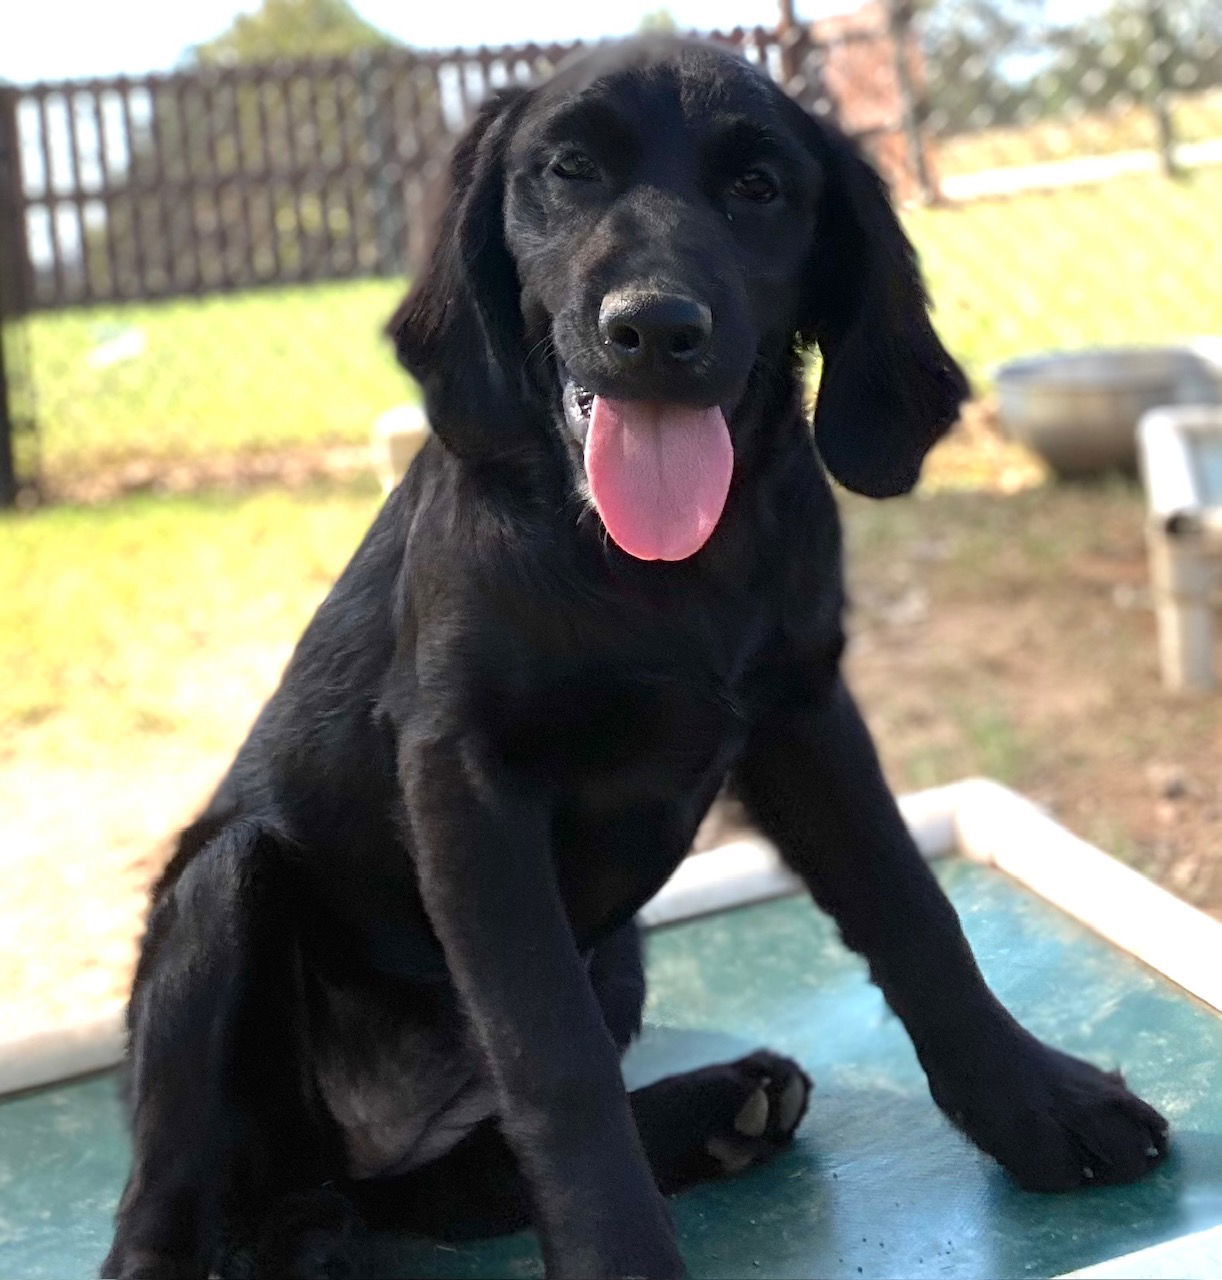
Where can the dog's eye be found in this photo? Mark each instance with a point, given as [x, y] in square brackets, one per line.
[574, 165]
[757, 185]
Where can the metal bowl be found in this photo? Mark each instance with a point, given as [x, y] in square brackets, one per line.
[1079, 410]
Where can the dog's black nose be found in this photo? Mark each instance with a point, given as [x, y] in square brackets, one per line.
[653, 328]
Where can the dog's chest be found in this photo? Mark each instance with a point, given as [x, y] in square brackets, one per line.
[633, 771]
[616, 734]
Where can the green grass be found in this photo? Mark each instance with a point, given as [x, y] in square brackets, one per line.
[1134, 260]
[139, 638]
[268, 369]
[157, 615]
[168, 616]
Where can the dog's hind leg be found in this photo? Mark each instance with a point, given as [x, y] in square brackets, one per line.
[703, 1123]
[222, 1121]
[720, 1119]
[707, 1122]
[696, 1126]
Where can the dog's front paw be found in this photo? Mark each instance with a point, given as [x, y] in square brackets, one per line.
[1052, 1121]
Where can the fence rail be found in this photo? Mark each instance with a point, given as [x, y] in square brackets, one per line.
[194, 182]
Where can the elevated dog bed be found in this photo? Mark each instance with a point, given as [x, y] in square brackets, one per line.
[877, 1183]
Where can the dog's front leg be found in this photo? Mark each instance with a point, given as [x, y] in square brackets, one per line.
[810, 778]
[484, 860]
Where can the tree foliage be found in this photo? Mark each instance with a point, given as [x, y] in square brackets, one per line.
[292, 29]
[1002, 62]
[267, 173]
[660, 22]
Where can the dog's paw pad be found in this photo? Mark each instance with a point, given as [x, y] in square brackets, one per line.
[733, 1157]
[792, 1102]
[752, 1120]
[777, 1091]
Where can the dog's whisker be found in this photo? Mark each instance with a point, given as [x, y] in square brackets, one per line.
[545, 345]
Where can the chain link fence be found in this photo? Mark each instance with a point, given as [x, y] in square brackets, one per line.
[195, 268]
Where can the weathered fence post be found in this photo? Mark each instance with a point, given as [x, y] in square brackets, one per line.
[1161, 47]
[912, 109]
[8, 467]
[384, 185]
[787, 23]
[12, 261]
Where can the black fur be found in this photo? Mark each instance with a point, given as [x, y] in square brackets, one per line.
[390, 970]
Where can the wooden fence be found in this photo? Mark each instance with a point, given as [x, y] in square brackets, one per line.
[213, 180]
[229, 178]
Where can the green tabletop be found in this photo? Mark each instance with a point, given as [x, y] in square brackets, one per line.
[877, 1184]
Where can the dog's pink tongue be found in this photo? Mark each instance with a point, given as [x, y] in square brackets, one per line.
[659, 474]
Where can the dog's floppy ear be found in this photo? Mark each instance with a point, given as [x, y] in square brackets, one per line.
[889, 390]
[459, 331]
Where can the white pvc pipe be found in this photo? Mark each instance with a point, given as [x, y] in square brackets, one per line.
[995, 825]
[1184, 536]
[57, 1053]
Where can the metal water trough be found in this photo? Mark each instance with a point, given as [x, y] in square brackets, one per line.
[1079, 410]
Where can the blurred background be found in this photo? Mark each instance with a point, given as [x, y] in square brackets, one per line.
[206, 216]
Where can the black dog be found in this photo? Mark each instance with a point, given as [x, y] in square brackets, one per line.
[390, 969]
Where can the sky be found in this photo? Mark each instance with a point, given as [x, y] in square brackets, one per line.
[57, 39]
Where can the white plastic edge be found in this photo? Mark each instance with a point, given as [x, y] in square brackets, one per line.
[58, 1053]
[750, 869]
[1193, 1257]
[976, 818]
[1166, 457]
[997, 826]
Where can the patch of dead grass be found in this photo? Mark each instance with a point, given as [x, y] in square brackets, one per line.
[1031, 657]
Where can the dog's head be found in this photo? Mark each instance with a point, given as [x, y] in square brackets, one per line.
[631, 249]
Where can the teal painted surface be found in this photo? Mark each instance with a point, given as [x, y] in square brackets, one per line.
[877, 1185]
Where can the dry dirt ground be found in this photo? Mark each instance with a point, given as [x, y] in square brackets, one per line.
[1014, 637]
[998, 633]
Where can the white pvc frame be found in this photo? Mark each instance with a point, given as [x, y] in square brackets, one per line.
[976, 819]
[1184, 538]
[987, 823]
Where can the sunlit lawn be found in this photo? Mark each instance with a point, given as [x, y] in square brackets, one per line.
[138, 639]
[137, 642]
[267, 369]
[154, 616]
[1133, 260]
